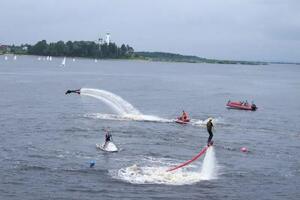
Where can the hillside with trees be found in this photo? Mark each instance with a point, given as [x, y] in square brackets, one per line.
[171, 57]
[91, 49]
[87, 49]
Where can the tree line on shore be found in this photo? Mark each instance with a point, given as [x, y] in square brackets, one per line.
[91, 49]
[88, 49]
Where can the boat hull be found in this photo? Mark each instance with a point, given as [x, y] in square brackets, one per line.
[240, 106]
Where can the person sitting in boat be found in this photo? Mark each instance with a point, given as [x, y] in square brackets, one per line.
[246, 103]
[184, 117]
[253, 106]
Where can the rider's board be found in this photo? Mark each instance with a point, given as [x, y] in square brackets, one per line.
[109, 147]
[191, 160]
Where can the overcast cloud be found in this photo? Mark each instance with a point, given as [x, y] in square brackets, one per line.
[267, 30]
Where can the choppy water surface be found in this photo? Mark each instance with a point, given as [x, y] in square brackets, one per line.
[47, 139]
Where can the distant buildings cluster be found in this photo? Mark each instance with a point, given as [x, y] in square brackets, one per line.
[13, 49]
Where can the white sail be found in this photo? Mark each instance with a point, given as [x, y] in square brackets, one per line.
[63, 63]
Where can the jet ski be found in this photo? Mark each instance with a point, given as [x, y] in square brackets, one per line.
[179, 120]
[109, 147]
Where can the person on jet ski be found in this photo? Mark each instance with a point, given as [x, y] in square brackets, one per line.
[184, 117]
[108, 137]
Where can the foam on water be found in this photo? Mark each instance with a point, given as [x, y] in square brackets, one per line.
[145, 118]
[128, 117]
[151, 173]
[200, 122]
[157, 175]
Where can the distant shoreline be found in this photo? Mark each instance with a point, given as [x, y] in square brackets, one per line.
[171, 57]
[163, 60]
[93, 50]
[152, 57]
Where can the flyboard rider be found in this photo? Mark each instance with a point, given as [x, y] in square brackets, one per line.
[72, 91]
[209, 126]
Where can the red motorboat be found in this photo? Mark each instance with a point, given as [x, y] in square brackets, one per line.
[241, 105]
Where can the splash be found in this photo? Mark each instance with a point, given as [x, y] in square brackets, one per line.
[196, 122]
[114, 101]
[156, 174]
[125, 111]
[128, 117]
[143, 118]
[209, 168]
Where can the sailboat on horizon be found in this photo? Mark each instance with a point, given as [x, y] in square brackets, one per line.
[63, 63]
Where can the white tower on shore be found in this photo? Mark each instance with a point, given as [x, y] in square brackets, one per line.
[107, 38]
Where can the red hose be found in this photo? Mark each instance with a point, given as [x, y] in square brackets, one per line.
[189, 161]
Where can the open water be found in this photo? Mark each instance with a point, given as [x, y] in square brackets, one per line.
[47, 138]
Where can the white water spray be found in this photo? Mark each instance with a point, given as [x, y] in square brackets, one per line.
[124, 110]
[196, 122]
[209, 166]
[115, 102]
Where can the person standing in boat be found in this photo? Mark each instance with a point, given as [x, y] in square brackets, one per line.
[209, 126]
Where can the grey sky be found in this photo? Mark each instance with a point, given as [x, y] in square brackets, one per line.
[226, 29]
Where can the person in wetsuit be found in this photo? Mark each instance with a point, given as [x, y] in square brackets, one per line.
[108, 138]
[209, 126]
[72, 91]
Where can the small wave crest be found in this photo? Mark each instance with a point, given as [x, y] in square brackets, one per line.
[202, 123]
[128, 117]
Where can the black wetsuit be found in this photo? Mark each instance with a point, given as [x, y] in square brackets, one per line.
[107, 137]
[209, 126]
[72, 91]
